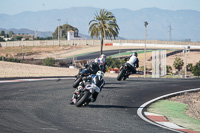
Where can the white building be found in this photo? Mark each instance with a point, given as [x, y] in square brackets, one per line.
[71, 36]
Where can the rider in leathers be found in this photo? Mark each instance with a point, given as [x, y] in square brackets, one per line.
[96, 81]
[133, 63]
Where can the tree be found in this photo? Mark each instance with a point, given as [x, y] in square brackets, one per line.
[18, 38]
[3, 33]
[103, 26]
[63, 31]
[2, 40]
[196, 69]
[178, 63]
[11, 33]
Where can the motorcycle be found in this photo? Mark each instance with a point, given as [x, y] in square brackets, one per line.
[79, 77]
[123, 72]
[81, 95]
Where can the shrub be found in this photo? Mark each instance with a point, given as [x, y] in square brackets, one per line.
[189, 67]
[49, 61]
[10, 59]
[169, 69]
[178, 63]
[196, 69]
[114, 63]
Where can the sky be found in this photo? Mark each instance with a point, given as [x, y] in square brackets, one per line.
[12, 7]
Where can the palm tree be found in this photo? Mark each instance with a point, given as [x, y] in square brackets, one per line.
[103, 26]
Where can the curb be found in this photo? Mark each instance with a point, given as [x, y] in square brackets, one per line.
[32, 79]
[160, 120]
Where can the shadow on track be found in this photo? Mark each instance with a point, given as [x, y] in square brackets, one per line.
[109, 106]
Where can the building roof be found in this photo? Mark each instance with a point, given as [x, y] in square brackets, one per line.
[70, 31]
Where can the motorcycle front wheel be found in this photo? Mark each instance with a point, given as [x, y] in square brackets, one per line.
[83, 99]
[76, 82]
[120, 75]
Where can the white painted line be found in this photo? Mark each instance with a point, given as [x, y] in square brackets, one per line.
[140, 109]
[27, 80]
[170, 125]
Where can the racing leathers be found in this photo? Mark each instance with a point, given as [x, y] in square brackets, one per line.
[133, 63]
[96, 83]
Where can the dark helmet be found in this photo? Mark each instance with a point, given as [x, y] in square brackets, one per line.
[135, 54]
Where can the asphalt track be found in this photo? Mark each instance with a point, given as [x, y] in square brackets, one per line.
[43, 106]
[106, 52]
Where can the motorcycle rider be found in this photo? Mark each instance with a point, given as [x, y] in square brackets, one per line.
[133, 63]
[93, 67]
[103, 64]
[98, 64]
[96, 81]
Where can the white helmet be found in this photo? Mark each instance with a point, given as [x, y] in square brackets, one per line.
[103, 56]
[97, 61]
[100, 73]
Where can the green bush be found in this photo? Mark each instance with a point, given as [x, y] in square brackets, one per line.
[10, 59]
[169, 69]
[189, 67]
[178, 63]
[114, 63]
[49, 61]
[196, 69]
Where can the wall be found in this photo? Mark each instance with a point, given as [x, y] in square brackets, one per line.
[88, 42]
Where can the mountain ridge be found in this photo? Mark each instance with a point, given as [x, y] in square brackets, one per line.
[185, 23]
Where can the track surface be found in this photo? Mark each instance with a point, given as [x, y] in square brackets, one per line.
[43, 106]
[107, 53]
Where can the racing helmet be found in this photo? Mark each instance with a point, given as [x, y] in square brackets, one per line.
[97, 61]
[135, 54]
[103, 56]
[100, 73]
[96, 79]
[102, 59]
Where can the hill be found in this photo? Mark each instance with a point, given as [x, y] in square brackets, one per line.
[185, 23]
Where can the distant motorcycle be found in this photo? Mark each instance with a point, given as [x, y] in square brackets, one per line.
[82, 95]
[79, 77]
[124, 72]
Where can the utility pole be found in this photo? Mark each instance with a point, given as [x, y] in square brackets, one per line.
[170, 32]
[59, 32]
[145, 24]
[36, 33]
[186, 51]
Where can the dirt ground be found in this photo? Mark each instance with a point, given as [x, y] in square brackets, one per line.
[69, 51]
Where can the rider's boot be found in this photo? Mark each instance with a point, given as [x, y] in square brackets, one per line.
[73, 101]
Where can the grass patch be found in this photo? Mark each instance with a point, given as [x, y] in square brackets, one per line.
[175, 112]
[128, 53]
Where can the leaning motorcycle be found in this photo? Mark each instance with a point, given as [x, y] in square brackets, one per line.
[82, 95]
[79, 77]
[123, 72]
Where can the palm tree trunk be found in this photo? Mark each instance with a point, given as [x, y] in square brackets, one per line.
[101, 46]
